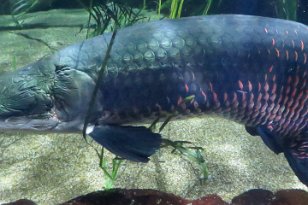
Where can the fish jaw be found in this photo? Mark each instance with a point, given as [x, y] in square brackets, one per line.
[28, 123]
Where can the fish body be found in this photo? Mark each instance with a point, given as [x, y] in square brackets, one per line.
[253, 70]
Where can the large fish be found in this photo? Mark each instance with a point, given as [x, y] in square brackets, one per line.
[253, 70]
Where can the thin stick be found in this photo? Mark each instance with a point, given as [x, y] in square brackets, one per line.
[97, 85]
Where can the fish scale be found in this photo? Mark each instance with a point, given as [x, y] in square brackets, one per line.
[226, 89]
[222, 65]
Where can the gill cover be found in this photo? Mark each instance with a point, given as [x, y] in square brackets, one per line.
[26, 91]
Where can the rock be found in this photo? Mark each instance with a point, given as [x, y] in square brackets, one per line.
[253, 197]
[154, 197]
[265, 197]
[291, 197]
[210, 200]
[122, 196]
[140, 197]
[21, 202]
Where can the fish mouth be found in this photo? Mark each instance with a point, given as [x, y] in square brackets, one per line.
[50, 121]
[44, 123]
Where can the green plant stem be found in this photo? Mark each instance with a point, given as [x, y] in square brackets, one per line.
[89, 18]
[207, 7]
[176, 9]
[110, 177]
[102, 164]
[159, 7]
[173, 9]
[287, 9]
[144, 4]
[191, 153]
[180, 9]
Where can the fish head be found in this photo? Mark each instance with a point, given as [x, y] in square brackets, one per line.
[44, 96]
[25, 103]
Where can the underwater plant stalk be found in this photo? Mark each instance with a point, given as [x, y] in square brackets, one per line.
[172, 9]
[193, 154]
[111, 176]
[159, 7]
[14, 63]
[180, 9]
[286, 9]
[176, 9]
[89, 19]
[144, 4]
[20, 8]
[207, 7]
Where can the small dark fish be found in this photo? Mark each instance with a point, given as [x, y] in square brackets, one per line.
[253, 70]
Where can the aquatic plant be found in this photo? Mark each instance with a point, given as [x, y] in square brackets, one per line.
[176, 9]
[159, 7]
[191, 153]
[14, 63]
[109, 15]
[19, 8]
[207, 7]
[286, 9]
[110, 175]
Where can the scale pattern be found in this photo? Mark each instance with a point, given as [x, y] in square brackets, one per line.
[254, 75]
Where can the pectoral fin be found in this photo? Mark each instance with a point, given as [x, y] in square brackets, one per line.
[129, 142]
